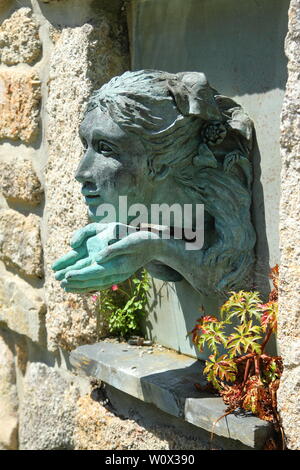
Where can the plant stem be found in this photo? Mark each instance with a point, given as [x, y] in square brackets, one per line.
[124, 292]
[256, 363]
[265, 341]
[244, 358]
[221, 417]
[130, 285]
[246, 373]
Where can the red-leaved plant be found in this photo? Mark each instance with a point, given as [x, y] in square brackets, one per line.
[245, 376]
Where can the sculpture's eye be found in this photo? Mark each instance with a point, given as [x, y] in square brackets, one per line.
[102, 147]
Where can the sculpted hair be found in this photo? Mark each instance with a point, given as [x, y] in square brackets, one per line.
[206, 140]
[140, 102]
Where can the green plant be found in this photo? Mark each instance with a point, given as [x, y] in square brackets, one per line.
[245, 376]
[122, 306]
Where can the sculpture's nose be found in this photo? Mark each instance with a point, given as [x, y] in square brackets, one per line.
[83, 176]
[83, 173]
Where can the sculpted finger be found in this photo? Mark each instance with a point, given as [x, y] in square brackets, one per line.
[96, 271]
[95, 283]
[79, 265]
[86, 232]
[90, 272]
[67, 260]
[119, 248]
[132, 244]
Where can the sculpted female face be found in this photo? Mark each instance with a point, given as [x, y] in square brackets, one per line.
[114, 164]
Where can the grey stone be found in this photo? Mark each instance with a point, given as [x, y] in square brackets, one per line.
[17, 230]
[166, 379]
[83, 57]
[124, 423]
[247, 429]
[47, 409]
[22, 307]
[19, 38]
[8, 394]
[289, 271]
[20, 96]
[19, 182]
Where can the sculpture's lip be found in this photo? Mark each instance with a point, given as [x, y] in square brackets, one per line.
[91, 199]
[88, 193]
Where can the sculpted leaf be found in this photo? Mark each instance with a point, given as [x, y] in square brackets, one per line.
[241, 122]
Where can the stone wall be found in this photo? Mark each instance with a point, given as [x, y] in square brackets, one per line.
[83, 57]
[53, 53]
[289, 293]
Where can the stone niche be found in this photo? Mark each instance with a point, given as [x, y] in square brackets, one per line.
[240, 48]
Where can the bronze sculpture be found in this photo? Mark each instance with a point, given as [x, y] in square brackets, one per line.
[162, 138]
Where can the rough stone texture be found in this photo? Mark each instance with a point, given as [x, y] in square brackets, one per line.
[8, 395]
[20, 93]
[21, 307]
[83, 58]
[98, 429]
[289, 293]
[17, 230]
[47, 409]
[19, 182]
[19, 38]
[3, 202]
[21, 352]
[110, 419]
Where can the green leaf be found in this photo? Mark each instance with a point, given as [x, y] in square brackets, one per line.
[244, 340]
[220, 370]
[243, 305]
[211, 334]
[123, 308]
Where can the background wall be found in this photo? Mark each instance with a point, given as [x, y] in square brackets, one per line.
[240, 48]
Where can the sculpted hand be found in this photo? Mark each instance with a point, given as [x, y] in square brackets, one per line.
[87, 242]
[113, 264]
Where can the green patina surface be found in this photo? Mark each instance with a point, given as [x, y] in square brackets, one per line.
[161, 138]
